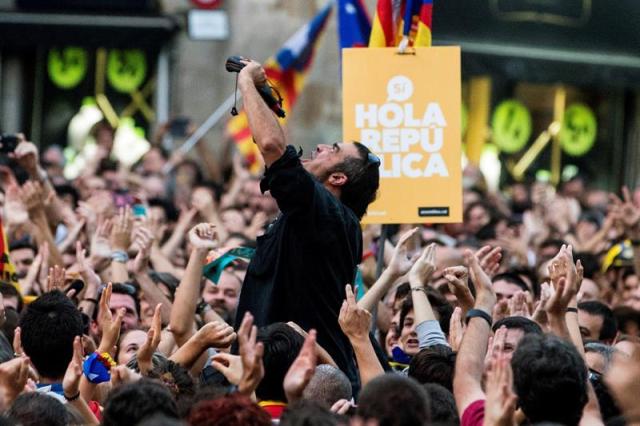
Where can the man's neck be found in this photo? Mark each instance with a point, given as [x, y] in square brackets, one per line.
[334, 190]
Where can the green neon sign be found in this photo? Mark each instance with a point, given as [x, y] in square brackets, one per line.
[67, 67]
[579, 130]
[126, 69]
[511, 126]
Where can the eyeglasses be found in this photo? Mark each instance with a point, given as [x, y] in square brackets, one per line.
[373, 159]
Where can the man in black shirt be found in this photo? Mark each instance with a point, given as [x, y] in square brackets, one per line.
[311, 251]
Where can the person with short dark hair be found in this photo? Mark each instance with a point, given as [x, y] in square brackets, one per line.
[517, 328]
[434, 364]
[22, 253]
[442, 404]
[306, 257]
[132, 403]
[394, 400]
[35, 409]
[597, 322]
[507, 284]
[550, 379]
[48, 328]
[281, 347]
[11, 297]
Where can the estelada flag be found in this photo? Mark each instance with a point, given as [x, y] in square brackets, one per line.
[396, 19]
[354, 25]
[7, 270]
[417, 19]
[286, 72]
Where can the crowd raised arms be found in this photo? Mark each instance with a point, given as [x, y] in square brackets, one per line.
[141, 296]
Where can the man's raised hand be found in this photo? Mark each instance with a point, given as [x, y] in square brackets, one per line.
[354, 321]
[485, 296]
[302, 369]
[203, 236]
[400, 263]
[253, 71]
[251, 353]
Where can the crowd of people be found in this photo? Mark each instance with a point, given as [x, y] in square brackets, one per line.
[125, 303]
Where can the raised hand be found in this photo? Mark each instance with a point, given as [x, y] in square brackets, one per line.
[423, 268]
[518, 305]
[203, 236]
[121, 232]
[500, 403]
[143, 240]
[458, 279]
[121, 375]
[456, 329]
[251, 353]
[626, 212]
[110, 326]
[354, 321]
[13, 378]
[302, 369]
[489, 259]
[485, 296]
[564, 280]
[148, 348]
[32, 196]
[215, 335]
[100, 246]
[26, 155]
[229, 365]
[71, 380]
[254, 72]
[56, 278]
[400, 263]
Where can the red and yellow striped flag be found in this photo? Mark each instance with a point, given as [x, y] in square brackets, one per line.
[385, 30]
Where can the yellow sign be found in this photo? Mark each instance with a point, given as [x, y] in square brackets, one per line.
[406, 109]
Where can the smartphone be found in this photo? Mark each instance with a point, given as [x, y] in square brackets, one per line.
[139, 210]
[179, 126]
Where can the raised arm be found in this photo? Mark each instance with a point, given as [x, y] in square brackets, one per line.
[355, 323]
[467, 386]
[203, 239]
[266, 130]
[399, 265]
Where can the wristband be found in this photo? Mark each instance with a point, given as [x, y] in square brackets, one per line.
[479, 313]
[120, 256]
[71, 398]
[574, 310]
[97, 367]
[422, 289]
[90, 299]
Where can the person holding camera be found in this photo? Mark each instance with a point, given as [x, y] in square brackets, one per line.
[312, 249]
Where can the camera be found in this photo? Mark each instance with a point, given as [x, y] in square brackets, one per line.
[234, 64]
[8, 143]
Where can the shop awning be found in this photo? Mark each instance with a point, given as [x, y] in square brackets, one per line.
[56, 29]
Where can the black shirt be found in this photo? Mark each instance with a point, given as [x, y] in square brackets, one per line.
[304, 260]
